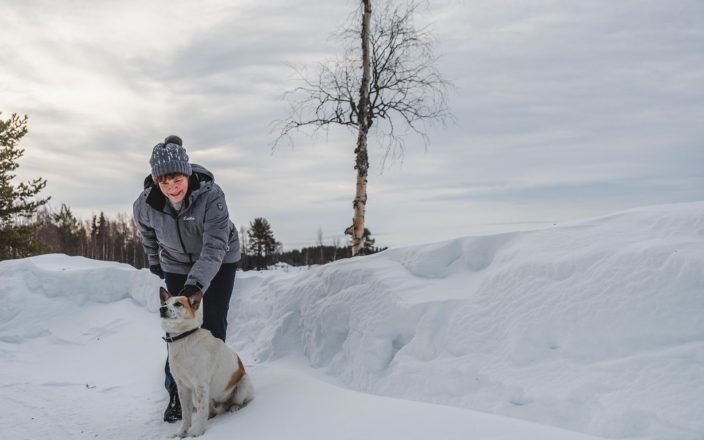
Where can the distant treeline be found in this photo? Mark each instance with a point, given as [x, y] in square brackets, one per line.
[116, 239]
[100, 238]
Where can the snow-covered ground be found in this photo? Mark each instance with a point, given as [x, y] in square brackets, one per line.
[594, 327]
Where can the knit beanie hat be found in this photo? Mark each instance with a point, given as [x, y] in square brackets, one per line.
[170, 157]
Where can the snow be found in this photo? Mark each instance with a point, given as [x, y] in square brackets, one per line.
[576, 331]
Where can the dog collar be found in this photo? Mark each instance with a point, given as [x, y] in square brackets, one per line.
[181, 336]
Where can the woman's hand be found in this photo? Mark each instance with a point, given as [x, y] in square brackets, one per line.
[156, 270]
[188, 290]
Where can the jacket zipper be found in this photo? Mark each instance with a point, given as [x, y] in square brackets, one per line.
[178, 230]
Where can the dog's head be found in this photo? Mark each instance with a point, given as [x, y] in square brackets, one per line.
[179, 313]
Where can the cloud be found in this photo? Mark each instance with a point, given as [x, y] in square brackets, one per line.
[562, 109]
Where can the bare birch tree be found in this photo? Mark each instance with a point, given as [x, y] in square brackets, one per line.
[389, 78]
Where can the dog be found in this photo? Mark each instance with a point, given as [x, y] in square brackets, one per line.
[207, 372]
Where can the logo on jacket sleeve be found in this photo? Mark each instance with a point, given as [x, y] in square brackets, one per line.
[220, 207]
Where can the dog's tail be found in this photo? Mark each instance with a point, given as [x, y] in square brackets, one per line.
[239, 397]
[243, 392]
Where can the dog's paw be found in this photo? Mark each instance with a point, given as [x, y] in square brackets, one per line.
[235, 407]
[181, 433]
[196, 431]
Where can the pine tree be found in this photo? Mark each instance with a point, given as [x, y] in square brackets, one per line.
[69, 230]
[262, 243]
[103, 237]
[18, 204]
[94, 238]
[368, 248]
[369, 242]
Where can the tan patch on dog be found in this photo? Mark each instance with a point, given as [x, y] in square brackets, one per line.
[237, 375]
[187, 306]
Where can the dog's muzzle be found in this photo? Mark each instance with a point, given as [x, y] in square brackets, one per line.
[164, 312]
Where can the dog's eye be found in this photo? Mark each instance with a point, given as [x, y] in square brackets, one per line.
[177, 304]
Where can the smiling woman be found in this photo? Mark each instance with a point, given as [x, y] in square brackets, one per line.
[189, 239]
[173, 186]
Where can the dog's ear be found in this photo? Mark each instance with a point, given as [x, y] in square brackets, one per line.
[164, 295]
[195, 299]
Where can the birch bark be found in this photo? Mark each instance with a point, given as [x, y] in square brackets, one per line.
[364, 122]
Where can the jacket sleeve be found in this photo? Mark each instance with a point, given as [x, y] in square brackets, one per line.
[216, 232]
[149, 241]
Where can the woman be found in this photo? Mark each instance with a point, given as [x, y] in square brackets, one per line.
[188, 238]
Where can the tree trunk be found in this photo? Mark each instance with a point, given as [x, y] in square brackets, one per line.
[363, 121]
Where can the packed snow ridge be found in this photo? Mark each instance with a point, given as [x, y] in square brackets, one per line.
[594, 326]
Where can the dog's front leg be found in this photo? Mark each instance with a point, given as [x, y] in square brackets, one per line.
[184, 395]
[202, 403]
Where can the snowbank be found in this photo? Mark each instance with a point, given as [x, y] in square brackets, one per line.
[593, 326]
[95, 370]
[36, 289]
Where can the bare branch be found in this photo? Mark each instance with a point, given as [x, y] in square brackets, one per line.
[406, 87]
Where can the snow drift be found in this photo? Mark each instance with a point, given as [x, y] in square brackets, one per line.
[594, 326]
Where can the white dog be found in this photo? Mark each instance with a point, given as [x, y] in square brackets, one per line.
[207, 372]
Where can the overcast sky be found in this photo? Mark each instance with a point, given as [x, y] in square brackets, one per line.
[564, 109]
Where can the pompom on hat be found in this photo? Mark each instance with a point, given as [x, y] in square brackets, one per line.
[170, 157]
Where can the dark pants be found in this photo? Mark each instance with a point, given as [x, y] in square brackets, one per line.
[216, 302]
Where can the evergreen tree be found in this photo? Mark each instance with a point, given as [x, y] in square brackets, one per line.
[18, 204]
[69, 230]
[102, 237]
[368, 242]
[93, 253]
[262, 243]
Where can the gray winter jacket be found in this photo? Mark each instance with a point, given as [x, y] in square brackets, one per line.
[194, 241]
